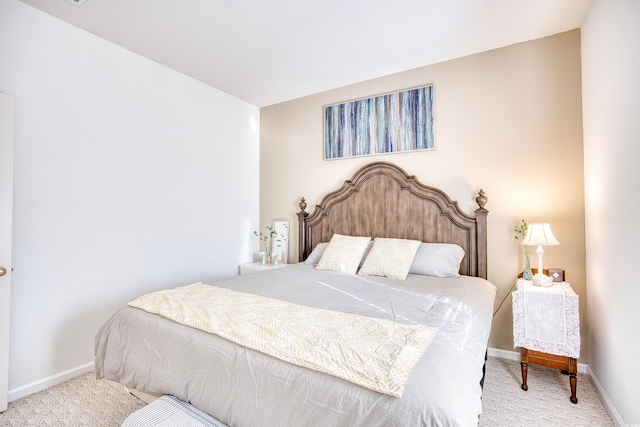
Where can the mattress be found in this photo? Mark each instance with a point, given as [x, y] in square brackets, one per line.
[243, 387]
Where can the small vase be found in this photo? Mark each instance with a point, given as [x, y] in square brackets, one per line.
[527, 274]
[263, 257]
[274, 259]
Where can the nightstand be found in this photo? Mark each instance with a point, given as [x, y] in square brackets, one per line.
[546, 327]
[257, 267]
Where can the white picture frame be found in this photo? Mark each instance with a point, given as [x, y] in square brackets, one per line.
[280, 247]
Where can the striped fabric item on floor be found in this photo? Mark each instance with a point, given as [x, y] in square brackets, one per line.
[169, 411]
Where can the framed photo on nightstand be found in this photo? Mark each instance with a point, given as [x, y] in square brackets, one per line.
[281, 240]
[556, 274]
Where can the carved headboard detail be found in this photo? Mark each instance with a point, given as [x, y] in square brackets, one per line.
[382, 200]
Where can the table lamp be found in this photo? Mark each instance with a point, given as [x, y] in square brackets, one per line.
[539, 234]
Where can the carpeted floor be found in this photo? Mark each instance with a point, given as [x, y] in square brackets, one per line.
[84, 401]
[545, 404]
[80, 402]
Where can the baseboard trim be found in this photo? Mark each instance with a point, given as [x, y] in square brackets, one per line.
[51, 381]
[608, 406]
[515, 355]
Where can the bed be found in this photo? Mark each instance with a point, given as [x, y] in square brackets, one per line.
[241, 386]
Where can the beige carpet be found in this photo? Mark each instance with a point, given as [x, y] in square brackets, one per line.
[83, 401]
[545, 404]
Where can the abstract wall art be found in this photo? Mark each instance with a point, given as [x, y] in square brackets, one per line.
[391, 123]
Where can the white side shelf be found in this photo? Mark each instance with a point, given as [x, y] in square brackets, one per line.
[257, 267]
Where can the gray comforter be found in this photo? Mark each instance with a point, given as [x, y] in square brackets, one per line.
[242, 387]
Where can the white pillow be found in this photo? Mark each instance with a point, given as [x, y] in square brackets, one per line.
[316, 254]
[390, 257]
[437, 259]
[343, 253]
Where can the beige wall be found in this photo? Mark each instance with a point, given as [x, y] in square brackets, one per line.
[508, 121]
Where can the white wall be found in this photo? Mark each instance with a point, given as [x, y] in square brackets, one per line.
[129, 177]
[611, 106]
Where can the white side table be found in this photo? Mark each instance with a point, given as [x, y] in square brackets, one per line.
[257, 267]
[546, 327]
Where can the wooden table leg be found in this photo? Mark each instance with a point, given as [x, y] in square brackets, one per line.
[568, 366]
[573, 379]
[524, 364]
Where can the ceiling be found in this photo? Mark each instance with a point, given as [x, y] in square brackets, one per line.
[270, 51]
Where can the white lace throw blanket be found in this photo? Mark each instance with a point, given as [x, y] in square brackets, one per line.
[374, 353]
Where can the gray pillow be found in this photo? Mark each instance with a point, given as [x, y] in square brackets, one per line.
[437, 259]
[316, 254]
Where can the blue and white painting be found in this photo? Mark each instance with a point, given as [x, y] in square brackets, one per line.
[392, 123]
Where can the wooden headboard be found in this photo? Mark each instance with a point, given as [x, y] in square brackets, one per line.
[382, 200]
